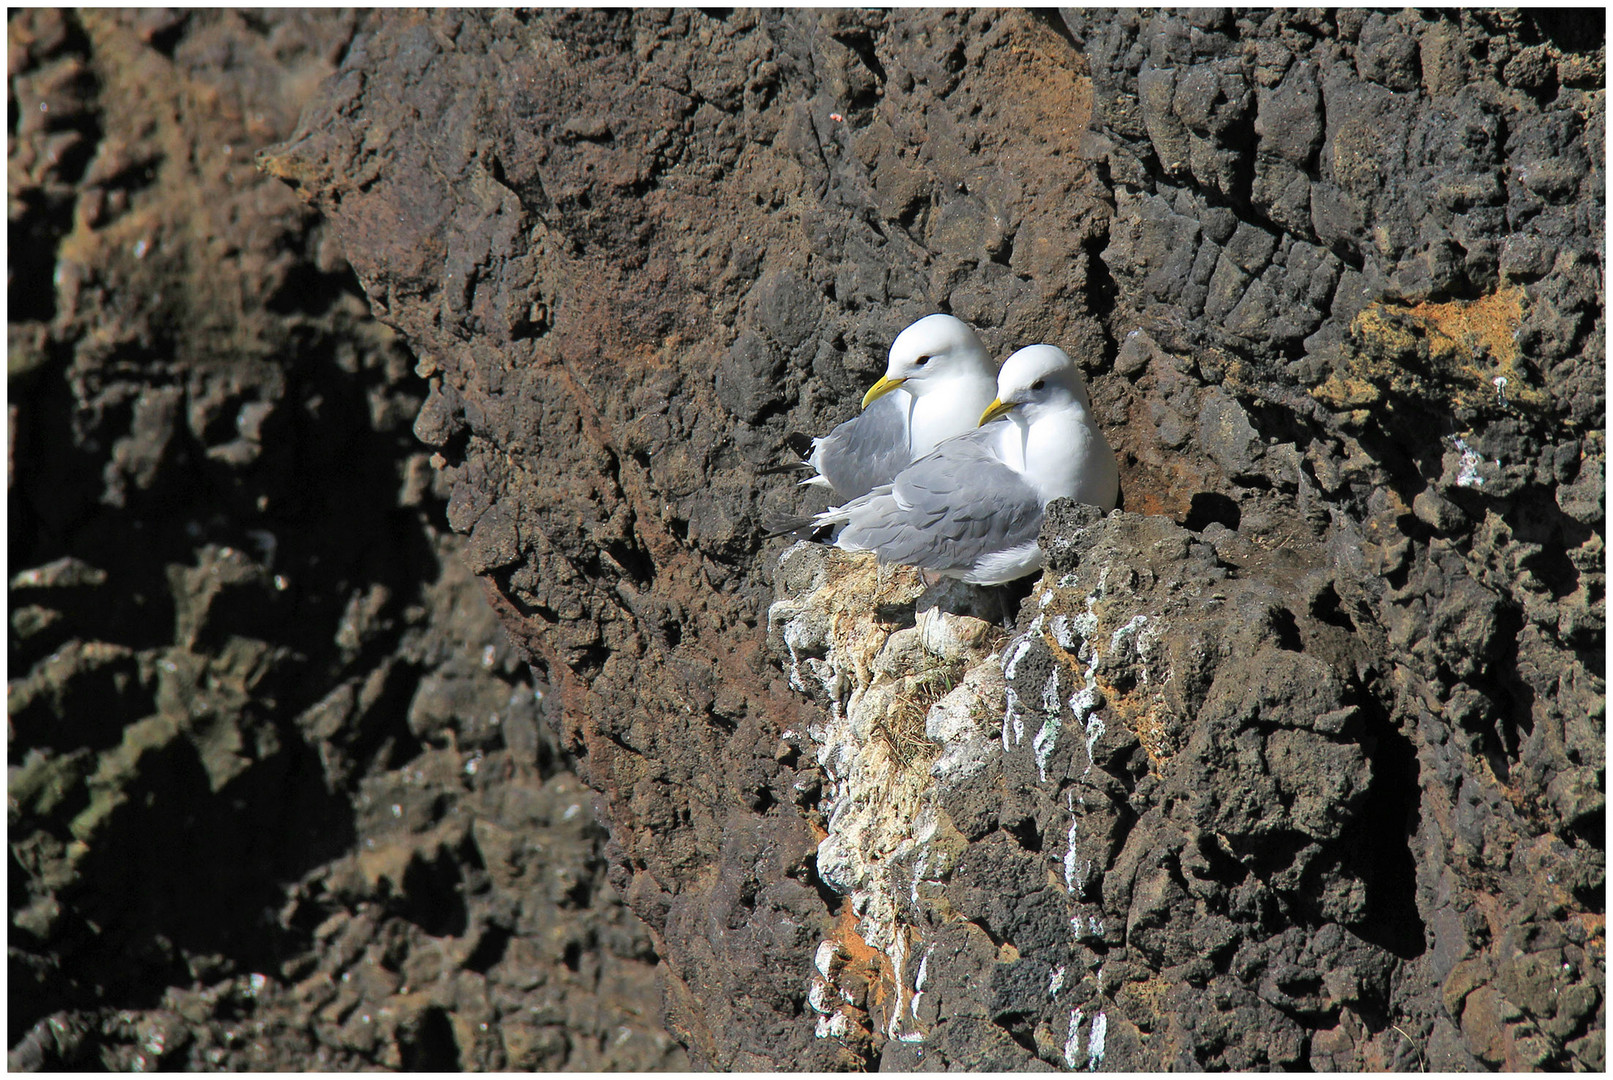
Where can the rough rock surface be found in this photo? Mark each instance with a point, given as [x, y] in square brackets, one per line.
[1365, 252]
[280, 796]
[907, 676]
[1303, 760]
[628, 302]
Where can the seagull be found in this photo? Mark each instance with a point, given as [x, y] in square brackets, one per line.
[971, 509]
[938, 378]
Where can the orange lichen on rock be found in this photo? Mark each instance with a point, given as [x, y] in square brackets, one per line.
[1462, 328]
[863, 961]
[1463, 350]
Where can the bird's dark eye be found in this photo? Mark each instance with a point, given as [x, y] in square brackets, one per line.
[921, 361]
[1038, 384]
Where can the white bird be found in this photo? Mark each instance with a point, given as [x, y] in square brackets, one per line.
[972, 508]
[937, 379]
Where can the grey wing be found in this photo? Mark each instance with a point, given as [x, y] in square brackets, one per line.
[948, 509]
[866, 451]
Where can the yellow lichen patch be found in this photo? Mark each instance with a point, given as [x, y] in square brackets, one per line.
[1488, 323]
[1384, 328]
[1463, 350]
[1459, 328]
[1478, 341]
[1140, 713]
[1144, 1002]
[1347, 392]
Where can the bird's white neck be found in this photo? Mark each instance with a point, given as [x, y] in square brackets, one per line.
[949, 407]
[1061, 453]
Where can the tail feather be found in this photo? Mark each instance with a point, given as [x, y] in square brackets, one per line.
[787, 467]
[799, 525]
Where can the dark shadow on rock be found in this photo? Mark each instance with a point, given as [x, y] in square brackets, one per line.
[177, 865]
[1209, 506]
[996, 604]
[1387, 834]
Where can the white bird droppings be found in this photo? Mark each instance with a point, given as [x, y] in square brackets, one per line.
[1097, 1036]
[1071, 862]
[1468, 475]
[825, 957]
[1020, 649]
[1095, 1041]
[1072, 1045]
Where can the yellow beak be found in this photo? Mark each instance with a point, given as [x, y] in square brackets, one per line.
[997, 408]
[884, 386]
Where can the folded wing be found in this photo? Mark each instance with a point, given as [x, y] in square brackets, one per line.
[945, 512]
[866, 451]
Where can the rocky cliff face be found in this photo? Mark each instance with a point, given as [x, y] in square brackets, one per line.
[1295, 760]
[280, 795]
[1300, 755]
[1371, 244]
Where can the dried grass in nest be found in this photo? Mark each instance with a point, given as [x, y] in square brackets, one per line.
[901, 732]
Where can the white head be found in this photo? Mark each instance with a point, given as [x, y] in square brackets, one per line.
[1035, 379]
[931, 351]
